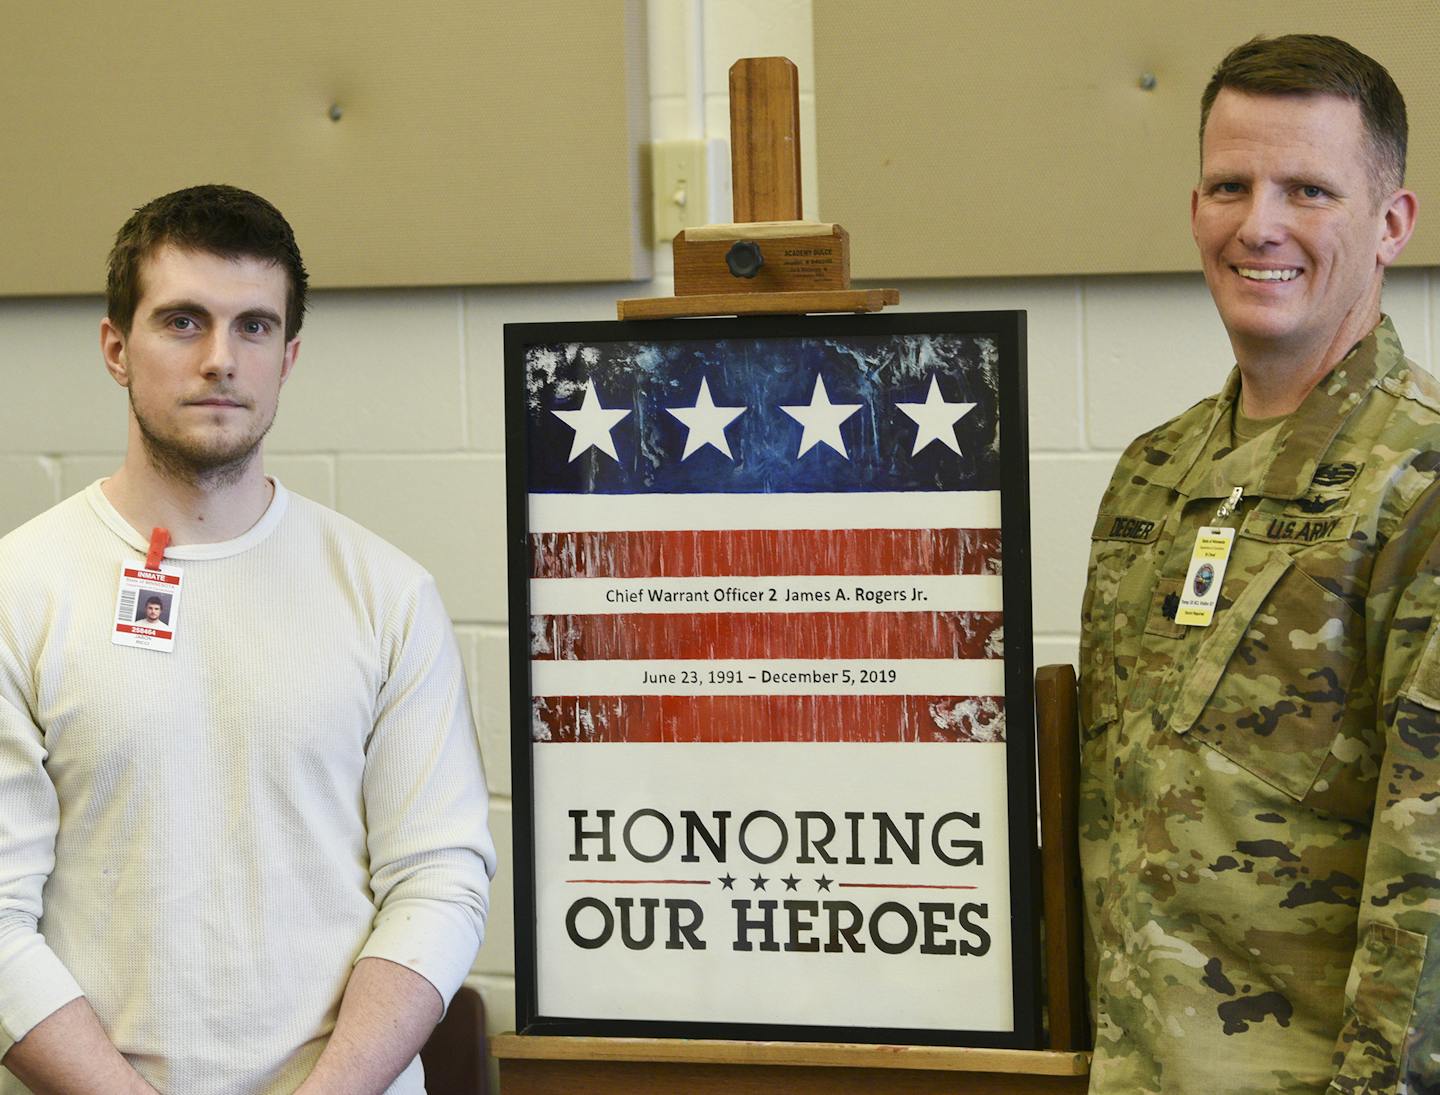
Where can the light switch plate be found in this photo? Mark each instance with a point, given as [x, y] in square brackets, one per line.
[690, 181]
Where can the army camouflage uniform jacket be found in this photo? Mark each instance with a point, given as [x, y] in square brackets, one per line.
[1260, 798]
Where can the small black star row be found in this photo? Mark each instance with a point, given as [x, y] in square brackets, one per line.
[791, 882]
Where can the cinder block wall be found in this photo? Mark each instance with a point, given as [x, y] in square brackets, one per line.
[394, 414]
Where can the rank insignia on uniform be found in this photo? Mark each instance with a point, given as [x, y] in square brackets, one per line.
[1335, 475]
[1317, 503]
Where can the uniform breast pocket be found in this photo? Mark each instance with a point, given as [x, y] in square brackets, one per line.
[1270, 685]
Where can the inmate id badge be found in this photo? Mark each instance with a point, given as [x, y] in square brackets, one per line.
[1202, 581]
[146, 607]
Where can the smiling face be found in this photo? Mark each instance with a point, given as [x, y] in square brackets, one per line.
[203, 361]
[1293, 238]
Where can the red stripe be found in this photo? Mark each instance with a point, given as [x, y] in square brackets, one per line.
[141, 629]
[152, 576]
[767, 718]
[640, 881]
[897, 886]
[767, 635]
[692, 554]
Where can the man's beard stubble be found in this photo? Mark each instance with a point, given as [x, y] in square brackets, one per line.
[197, 465]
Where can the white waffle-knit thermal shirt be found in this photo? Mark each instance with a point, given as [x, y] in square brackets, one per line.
[203, 842]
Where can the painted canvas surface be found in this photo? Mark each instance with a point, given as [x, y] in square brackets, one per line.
[767, 681]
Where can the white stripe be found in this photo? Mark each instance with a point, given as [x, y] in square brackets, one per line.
[795, 593]
[655, 512]
[787, 677]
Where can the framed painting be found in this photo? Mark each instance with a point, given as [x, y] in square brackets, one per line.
[771, 679]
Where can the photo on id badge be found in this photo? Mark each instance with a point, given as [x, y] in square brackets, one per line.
[154, 611]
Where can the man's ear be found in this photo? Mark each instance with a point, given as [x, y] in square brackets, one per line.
[112, 348]
[292, 351]
[1398, 225]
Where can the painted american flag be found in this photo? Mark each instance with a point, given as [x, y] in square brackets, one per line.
[719, 528]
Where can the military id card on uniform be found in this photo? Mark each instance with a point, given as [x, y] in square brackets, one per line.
[1201, 591]
[146, 607]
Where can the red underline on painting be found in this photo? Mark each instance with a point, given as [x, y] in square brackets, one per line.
[641, 881]
[897, 886]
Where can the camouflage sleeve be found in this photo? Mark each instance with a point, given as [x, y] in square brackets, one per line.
[1390, 1038]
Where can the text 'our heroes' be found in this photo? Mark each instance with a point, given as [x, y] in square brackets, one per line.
[802, 926]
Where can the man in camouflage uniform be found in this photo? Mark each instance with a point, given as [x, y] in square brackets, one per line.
[1260, 798]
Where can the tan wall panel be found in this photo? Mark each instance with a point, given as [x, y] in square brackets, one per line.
[481, 142]
[965, 138]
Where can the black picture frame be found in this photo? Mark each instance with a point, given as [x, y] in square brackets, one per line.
[1007, 330]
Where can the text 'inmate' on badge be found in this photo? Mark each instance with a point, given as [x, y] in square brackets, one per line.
[146, 607]
[1201, 591]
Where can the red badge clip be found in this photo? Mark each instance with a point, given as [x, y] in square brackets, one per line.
[159, 541]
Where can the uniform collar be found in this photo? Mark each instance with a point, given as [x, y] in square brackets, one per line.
[1304, 436]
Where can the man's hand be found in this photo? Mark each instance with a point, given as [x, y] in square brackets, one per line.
[68, 1053]
[386, 1016]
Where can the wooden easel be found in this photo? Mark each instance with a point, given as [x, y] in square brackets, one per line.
[804, 266]
[765, 160]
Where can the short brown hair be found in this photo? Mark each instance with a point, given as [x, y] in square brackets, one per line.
[219, 220]
[1316, 64]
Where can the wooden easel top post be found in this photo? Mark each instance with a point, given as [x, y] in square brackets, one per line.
[765, 139]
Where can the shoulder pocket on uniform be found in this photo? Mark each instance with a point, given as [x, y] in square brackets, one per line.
[1423, 683]
[1380, 1002]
